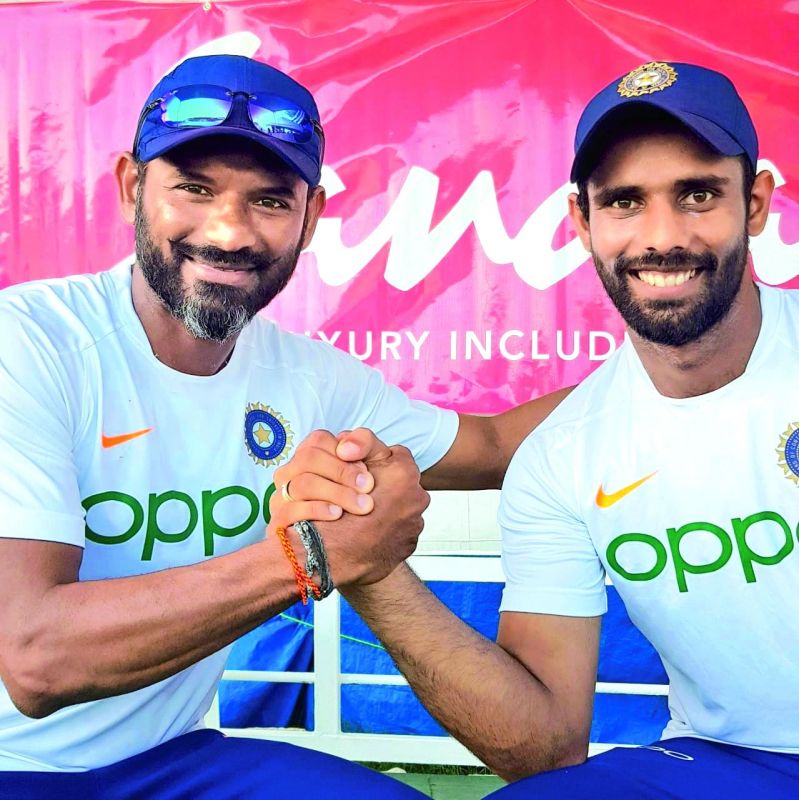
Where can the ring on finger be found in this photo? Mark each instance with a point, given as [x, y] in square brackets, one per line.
[284, 493]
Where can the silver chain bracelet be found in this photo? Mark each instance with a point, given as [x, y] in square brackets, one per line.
[317, 557]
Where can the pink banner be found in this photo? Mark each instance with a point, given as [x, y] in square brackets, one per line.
[444, 257]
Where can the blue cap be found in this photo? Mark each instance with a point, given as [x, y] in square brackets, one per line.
[703, 100]
[237, 74]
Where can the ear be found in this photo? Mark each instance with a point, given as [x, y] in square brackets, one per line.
[127, 175]
[580, 222]
[757, 215]
[317, 200]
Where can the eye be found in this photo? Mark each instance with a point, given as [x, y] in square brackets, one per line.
[271, 203]
[194, 188]
[624, 204]
[698, 198]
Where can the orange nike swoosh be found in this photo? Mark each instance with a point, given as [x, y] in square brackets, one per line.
[607, 500]
[113, 441]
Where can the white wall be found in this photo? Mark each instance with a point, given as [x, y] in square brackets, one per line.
[458, 521]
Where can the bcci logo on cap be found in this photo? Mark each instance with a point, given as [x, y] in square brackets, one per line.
[267, 435]
[788, 452]
[652, 77]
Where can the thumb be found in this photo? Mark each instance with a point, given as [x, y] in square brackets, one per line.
[361, 445]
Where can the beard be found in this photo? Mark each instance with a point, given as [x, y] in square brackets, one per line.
[208, 310]
[676, 322]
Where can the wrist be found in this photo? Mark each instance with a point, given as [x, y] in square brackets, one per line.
[317, 566]
[393, 582]
[306, 558]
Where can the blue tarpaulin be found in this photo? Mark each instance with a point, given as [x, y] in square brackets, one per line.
[286, 643]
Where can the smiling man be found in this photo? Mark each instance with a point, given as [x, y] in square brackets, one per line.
[253, 216]
[211, 290]
[672, 469]
[142, 414]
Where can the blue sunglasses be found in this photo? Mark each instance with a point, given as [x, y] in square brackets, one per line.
[206, 106]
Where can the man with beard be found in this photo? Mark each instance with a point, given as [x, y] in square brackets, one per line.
[659, 471]
[142, 414]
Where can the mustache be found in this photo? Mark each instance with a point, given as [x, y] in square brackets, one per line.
[673, 261]
[245, 258]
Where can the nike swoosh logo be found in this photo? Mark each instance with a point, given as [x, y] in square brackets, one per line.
[607, 500]
[113, 441]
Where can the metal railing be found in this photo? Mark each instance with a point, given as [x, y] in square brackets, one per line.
[328, 679]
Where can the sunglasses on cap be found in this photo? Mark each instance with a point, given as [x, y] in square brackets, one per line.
[206, 106]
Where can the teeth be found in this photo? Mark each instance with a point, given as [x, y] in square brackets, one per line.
[666, 279]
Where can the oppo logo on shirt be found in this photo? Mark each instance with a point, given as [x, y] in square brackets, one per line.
[760, 539]
[203, 514]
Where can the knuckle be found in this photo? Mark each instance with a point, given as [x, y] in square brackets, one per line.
[300, 488]
[300, 461]
[304, 460]
[346, 473]
[277, 475]
[410, 476]
[340, 473]
[425, 500]
[329, 492]
[318, 438]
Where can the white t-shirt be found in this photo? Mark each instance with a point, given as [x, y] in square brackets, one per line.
[171, 469]
[691, 507]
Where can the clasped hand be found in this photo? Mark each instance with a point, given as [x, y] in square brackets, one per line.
[365, 498]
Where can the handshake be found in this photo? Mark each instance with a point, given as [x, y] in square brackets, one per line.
[365, 499]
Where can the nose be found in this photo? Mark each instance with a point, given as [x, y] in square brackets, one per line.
[664, 229]
[229, 226]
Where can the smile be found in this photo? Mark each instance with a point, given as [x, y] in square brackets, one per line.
[215, 274]
[665, 278]
[218, 267]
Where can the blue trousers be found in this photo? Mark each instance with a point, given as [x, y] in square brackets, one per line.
[673, 769]
[206, 765]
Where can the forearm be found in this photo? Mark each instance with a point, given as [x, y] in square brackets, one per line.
[484, 446]
[480, 693]
[86, 640]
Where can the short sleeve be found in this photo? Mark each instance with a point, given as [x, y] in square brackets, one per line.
[363, 398]
[548, 557]
[39, 495]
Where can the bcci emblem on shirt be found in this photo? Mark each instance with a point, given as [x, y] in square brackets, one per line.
[267, 435]
[788, 452]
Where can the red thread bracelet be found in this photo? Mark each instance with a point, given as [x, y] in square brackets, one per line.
[304, 581]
